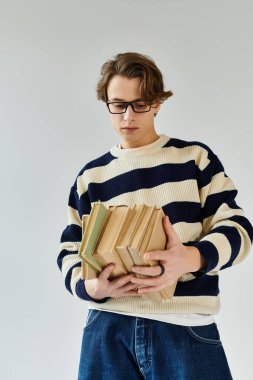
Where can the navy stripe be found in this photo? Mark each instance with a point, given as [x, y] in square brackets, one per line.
[213, 201]
[63, 254]
[245, 224]
[85, 204]
[232, 204]
[73, 198]
[213, 168]
[201, 286]
[189, 243]
[145, 178]
[100, 161]
[189, 212]
[234, 239]
[69, 275]
[81, 205]
[72, 233]
[177, 143]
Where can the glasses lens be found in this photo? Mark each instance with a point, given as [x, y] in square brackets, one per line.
[141, 107]
[117, 107]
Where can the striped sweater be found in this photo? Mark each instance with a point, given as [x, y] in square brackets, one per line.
[188, 181]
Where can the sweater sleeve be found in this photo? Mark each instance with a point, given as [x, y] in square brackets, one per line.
[227, 233]
[68, 260]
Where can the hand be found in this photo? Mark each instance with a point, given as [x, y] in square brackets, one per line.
[177, 260]
[101, 287]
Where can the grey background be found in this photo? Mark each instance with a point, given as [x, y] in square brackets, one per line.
[51, 125]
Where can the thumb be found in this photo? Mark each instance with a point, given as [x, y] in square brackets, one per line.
[170, 232]
[105, 274]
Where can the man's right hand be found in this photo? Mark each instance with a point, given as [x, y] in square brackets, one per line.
[102, 287]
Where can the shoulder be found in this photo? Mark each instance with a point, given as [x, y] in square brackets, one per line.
[198, 145]
[80, 184]
[100, 161]
[185, 150]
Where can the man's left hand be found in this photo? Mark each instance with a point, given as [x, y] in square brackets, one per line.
[177, 260]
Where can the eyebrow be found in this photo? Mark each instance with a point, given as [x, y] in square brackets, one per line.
[122, 100]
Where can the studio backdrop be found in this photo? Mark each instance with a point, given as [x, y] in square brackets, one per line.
[51, 53]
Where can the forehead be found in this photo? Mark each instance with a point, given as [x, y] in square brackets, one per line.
[123, 88]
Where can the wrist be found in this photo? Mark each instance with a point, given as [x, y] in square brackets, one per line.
[196, 261]
[91, 297]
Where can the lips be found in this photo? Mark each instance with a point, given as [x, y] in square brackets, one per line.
[129, 128]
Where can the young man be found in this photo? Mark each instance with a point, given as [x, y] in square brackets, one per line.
[128, 336]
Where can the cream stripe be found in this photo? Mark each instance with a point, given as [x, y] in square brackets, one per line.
[182, 155]
[76, 276]
[120, 166]
[188, 231]
[218, 184]
[220, 217]
[186, 277]
[212, 273]
[70, 246]
[223, 247]
[200, 304]
[245, 245]
[73, 217]
[245, 240]
[68, 262]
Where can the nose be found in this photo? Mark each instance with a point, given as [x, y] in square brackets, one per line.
[129, 114]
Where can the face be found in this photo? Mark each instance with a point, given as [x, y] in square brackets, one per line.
[135, 129]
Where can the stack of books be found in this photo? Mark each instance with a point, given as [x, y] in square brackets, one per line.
[121, 235]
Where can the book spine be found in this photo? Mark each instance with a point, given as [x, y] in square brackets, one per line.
[125, 257]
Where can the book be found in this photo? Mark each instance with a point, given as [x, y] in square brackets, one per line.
[130, 227]
[91, 234]
[105, 251]
[135, 243]
[87, 272]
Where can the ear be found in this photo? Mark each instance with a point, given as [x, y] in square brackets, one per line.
[156, 108]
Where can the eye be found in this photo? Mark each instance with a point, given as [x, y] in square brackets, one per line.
[119, 105]
[140, 106]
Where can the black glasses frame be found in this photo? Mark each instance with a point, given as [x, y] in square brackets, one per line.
[126, 106]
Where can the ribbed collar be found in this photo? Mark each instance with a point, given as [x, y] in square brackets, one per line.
[117, 151]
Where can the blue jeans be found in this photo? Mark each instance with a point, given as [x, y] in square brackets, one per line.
[120, 347]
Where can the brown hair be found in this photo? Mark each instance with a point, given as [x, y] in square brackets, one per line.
[134, 65]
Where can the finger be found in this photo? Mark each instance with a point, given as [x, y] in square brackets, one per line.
[105, 274]
[128, 287]
[172, 237]
[149, 271]
[150, 289]
[156, 255]
[122, 280]
[147, 281]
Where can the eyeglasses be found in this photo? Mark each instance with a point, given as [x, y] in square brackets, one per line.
[120, 107]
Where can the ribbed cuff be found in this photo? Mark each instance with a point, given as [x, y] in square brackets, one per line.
[210, 254]
[81, 292]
